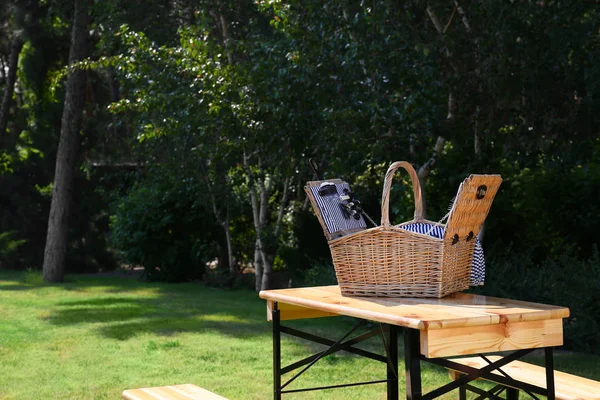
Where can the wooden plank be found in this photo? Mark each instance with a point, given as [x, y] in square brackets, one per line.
[174, 392]
[290, 312]
[568, 387]
[491, 338]
[456, 310]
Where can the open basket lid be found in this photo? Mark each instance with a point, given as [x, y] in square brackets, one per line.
[472, 205]
[329, 210]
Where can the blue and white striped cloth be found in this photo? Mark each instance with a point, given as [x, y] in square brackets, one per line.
[331, 212]
[478, 265]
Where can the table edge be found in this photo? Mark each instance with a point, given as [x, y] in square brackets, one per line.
[558, 312]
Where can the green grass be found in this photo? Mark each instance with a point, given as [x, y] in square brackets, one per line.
[93, 337]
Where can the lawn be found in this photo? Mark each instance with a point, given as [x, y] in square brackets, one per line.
[92, 337]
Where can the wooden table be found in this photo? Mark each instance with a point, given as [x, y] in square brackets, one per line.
[458, 324]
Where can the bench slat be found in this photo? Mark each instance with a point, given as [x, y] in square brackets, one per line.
[568, 387]
[174, 392]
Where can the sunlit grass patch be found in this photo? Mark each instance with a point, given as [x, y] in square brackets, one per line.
[91, 338]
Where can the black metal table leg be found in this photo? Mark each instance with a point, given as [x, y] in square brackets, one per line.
[276, 352]
[549, 356]
[412, 362]
[392, 366]
[512, 394]
[462, 392]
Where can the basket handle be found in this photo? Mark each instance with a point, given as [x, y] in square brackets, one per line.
[385, 197]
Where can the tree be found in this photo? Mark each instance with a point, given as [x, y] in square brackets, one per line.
[247, 91]
[21, 20]
[67, 155]
[15, 50]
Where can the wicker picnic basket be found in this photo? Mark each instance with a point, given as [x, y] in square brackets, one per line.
[389, 261]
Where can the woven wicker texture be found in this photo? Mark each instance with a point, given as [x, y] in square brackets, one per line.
[388, 261]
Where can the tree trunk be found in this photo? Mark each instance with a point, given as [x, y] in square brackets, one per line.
[3, 68]
[258, 272]
[263, 265]
[223, 220]
[223, 27]
[259, 200]
[13, 62]
[263, 192]
[258, 268]
[267, 267]
[68, 146]
[477, 139]
[260, 259]
[282, 205]
[231, 261]
[226, 37]
[425, 169]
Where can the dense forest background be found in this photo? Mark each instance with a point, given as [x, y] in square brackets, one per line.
[175, 134]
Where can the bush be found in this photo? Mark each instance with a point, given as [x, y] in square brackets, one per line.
[308, 249]
[33, 277]
[564, 281]
[24, 208]
[550, 209]
[163, 227]
[319, 274]
[89, 250]
[9, 246]
[8, 243]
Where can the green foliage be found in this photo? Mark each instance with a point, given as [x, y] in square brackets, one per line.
[8, 244]
[28, 149]
[562, 280]
[198, 88]
[5, 163]
[319, 274]
[308, 247]
[548, 209]
[33, 277]
[24, 212]
[162, 226]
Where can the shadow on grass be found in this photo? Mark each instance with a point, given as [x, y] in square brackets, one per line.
[87, 315]
[123, 318]
[99, 302]
[169, 326]
[124, 307]
[16, 287]
[26, 280]
[125, 310]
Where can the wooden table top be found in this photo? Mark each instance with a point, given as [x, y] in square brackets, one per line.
[453, 311]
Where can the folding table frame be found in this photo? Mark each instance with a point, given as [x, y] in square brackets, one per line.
[412, 358]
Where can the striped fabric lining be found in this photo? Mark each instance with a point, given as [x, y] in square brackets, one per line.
[478, 265]
[329, 207]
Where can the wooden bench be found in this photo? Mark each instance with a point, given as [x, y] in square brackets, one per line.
[567, 386]
[175, 392]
